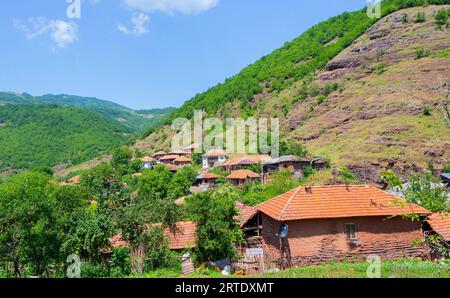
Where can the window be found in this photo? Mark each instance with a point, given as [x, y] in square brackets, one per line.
[350, 231]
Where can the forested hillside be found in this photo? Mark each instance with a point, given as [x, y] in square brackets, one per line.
[137, 121]
[51, 130]
[47, 135]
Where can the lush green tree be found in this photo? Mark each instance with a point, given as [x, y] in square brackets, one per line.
[29, 231]
[154, 184]
[101, 182]
[217, 230]
[48, 135]
[69, 200]
[427, 191]
[390, 179]
[89, 233]
[281, 182]
[120, 262]
[295, 61]
[135, 166]
[290, 148]
[121, 160]
[158, 254]
[181, 182]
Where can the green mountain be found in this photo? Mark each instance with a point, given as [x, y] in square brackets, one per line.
[51, 130]
[137, 121]
[47, 135]
[369, 94]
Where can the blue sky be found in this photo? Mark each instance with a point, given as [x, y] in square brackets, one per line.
[145, 53]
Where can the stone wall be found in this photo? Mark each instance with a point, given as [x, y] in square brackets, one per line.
[321, 240]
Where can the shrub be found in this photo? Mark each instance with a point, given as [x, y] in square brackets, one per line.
[421, 53]
[120, 262]
[329, 88]
[94, 270]
[380, 68]
[421, 17]
[446, 168]
[426, 111]
[441, 19]
[321, 99]
[158, 252]
[346, 175]
[405, 18]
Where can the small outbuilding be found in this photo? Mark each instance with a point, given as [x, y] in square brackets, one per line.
[241, 177]
[148, 162]
[207, 179]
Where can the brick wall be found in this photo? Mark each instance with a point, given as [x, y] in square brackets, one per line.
[321, 240]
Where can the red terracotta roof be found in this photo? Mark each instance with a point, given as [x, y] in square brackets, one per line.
[243, 174]
[182, 159]
[160, 153]
[246, 160]
[440, 223]
[209, 176]
[183, 237]
[148, 159]
[169, 157]
[246, 213]
[337, 201]
[172, 168]
[215, 153]
[117, 241]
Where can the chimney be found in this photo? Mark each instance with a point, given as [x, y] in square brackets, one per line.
[308, 190]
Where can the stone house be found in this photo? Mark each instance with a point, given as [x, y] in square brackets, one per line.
[214, 158]
[336, 222]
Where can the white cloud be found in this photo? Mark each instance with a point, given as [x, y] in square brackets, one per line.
[61, 32]
[139, 25]
[172, 6]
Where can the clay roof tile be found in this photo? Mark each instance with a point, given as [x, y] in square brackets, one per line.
[338, 201]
